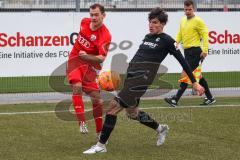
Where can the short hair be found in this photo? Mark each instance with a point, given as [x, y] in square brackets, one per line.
[158, 13]
[97, 5]
[188, 3]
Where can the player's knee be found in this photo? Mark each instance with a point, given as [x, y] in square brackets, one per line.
[114, 108]
[98, 101]
[77, 88]
[95, 96]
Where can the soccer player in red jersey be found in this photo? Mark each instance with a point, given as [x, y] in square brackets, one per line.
[88, 52]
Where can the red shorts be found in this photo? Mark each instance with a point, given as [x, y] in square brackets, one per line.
[79, 71]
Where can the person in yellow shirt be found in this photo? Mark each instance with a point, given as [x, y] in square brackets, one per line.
[193, 35]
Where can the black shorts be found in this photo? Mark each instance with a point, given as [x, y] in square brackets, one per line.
[192, 56]
[139, 77]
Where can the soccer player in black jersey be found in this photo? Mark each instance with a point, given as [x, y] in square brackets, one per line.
[141, 72]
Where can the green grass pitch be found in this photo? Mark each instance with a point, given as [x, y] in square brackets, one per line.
[195, 133]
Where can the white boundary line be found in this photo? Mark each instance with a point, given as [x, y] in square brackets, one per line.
[45, 112]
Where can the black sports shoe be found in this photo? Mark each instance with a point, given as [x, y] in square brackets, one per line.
[171, 101]
[208, 101]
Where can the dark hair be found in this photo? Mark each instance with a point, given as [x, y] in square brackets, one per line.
[188, 3]
[96, 5]
[159, 14]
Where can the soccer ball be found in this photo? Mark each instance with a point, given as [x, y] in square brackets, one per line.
[109, 80]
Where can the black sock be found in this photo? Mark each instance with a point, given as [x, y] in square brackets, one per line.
[203, 83]
[146, 120]
[183, 87]
[108, 126]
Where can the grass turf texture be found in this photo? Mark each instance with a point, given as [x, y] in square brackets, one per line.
[195, 134]
[41, 84]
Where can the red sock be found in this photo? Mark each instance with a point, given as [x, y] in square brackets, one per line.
[97, 114]
[79, 107]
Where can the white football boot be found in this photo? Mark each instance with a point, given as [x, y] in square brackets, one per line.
[162, 133]
[96, 149]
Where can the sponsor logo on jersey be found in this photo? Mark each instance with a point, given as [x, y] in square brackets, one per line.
[83, 41]
[150, 44]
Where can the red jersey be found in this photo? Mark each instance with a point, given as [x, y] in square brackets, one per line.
[93, 42]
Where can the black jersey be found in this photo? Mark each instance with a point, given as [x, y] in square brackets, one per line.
[144, 66]
[154, 48]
